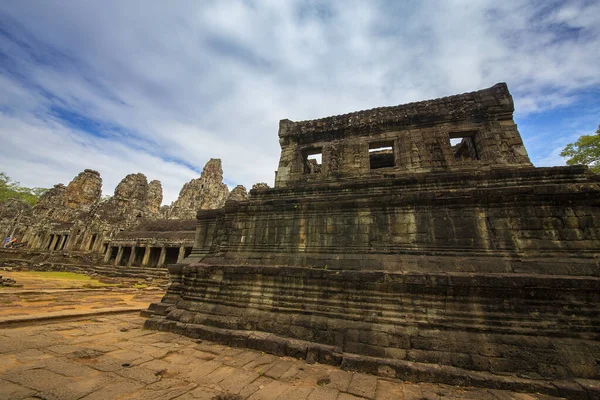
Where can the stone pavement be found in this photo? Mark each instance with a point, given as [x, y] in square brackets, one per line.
[113, 357]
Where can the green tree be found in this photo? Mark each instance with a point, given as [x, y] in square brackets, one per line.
[586, 150]
[10, 189]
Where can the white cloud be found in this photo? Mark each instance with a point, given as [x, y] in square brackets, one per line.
[552, 159]
[174, 84]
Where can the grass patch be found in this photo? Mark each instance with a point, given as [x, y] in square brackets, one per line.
[38, 299]
[140, 286]
[88, 281]
[59, 275]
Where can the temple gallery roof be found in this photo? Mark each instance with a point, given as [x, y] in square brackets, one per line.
[495, 100]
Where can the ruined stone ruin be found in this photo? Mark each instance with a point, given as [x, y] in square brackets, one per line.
[415, 242]
[130, 229]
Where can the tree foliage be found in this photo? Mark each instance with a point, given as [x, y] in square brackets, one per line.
[10, 189]
[586, 150]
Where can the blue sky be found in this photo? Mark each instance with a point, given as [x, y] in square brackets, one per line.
[161, 87]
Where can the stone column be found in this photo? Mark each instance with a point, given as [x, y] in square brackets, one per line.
[77, 240]
[84, 239]
[181, 254]
[61, 242]
[108, 253]
[97, 242]
[163, 256]
[46, 241]
[53, 242]
[40, 241]
[67, 242]
[25, 237]
[146, 258]
[43, 242]
[119, 255]
[45, 245]
[131, 256]
[200, 235]
[88, 243]
[34, 241]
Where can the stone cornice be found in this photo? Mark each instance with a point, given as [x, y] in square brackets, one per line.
[495, 100]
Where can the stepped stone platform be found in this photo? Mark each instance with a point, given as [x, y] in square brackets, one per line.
[421, 245]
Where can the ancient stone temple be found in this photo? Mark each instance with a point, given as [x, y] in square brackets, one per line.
[205, 193]
[130, 230]
[416, 242]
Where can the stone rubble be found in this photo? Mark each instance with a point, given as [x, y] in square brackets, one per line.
[7, 282]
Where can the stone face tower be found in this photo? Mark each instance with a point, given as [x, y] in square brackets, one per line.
[66, 203]
[155, 197]
[134, 199]
[84, 190]
[415, 242]
[205, 193]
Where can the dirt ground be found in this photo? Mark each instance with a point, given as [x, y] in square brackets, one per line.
[82, 354]
[56, 293]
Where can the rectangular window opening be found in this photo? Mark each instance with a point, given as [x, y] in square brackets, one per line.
[125, 256]
[92, 242]
[139, 255]
[463, 146]
[113, 253]
[172, 255]
[313, 161]
[154, 257]
[381, 155]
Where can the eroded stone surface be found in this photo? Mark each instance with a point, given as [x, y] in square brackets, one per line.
[155, 197]
[134, 200]
[260, 186]
[238, 193]
[84, 190]
[205, 193]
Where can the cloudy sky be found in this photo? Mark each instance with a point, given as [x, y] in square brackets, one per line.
[159, 87]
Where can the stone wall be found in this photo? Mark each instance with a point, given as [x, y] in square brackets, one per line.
[535, 327]
[508, 220]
